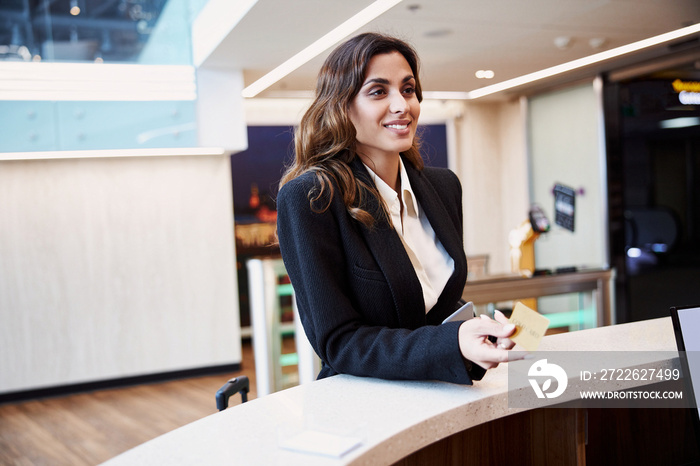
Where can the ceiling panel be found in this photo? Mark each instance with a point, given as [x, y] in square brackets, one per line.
[274, 31]
[454, 38]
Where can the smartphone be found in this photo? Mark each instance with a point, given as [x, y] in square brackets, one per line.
[465, 312]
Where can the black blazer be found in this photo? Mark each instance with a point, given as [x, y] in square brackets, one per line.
[359, 298]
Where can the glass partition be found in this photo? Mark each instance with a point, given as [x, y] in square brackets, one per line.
[109, 31]
[96, 74]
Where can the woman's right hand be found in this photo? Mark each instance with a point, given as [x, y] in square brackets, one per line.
[475, 345]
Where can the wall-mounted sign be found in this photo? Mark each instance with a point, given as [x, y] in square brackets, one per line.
[688, 91]
[564, 206]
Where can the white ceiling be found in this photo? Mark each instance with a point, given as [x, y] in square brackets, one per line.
[455, 38]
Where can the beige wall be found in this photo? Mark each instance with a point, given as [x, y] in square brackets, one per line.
[566, 145]
[492, 164]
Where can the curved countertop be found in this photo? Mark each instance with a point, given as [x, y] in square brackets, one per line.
[392, 418]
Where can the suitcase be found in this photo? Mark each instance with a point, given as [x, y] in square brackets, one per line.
[237, 384]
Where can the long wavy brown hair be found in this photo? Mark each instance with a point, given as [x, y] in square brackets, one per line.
[325, 139]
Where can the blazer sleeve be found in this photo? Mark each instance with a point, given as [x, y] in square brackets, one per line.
[317, 249]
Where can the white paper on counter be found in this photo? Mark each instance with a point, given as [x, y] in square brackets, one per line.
[321, 443]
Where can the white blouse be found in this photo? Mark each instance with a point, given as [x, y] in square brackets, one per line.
[433, 265]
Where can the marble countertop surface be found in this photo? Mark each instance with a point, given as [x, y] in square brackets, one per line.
[389, 419]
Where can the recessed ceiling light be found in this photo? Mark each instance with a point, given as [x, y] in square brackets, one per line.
[585, 61]
[563, 42]
[485, 74]
[438, 33]
[597, 42]
[74, 8]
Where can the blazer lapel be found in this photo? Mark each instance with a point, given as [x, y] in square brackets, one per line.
[390, 254]
[434, 209]
[446, 231]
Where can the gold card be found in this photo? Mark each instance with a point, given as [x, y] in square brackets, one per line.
[530, 327]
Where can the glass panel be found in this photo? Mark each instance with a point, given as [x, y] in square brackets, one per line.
[112, 31]
[67, 79]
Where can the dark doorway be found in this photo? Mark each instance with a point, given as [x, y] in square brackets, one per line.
[653, 145]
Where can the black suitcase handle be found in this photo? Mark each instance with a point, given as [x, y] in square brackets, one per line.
[233, 386]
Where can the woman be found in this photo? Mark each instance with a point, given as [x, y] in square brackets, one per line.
[371, 239]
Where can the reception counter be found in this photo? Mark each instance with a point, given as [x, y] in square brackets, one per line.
[394, 421]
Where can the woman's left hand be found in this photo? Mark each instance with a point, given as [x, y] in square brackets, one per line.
[505, 343]
[476, 346]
